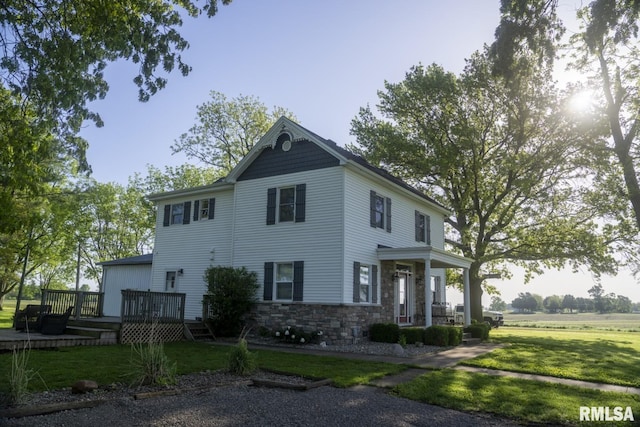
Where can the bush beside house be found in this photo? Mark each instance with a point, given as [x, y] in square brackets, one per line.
[433, 335]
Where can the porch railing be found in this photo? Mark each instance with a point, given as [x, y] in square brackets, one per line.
[147, 307]
[85, 304]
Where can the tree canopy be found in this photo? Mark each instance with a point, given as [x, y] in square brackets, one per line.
[500, 154]
[226, 130]
[53, 53]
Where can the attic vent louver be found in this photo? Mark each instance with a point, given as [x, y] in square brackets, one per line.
[285, 140]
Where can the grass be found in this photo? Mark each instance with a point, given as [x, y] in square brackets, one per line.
[599, 356]
[608, 322]
[112, 364]
[6, 315]
[517, 399]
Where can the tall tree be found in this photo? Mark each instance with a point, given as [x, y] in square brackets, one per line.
[226, 130]
[54, 52]
[500, 154]
[607, 51]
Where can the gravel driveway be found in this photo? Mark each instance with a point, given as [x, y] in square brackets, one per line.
[244, 405]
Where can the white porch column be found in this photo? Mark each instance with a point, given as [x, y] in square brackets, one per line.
[427, 293]
[467, 297]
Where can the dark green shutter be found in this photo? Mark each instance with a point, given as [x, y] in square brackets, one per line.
[166, 220]
[271, 206]
[374, 284]
[356, 281]
[268, 281]
[196, 208]
[298, 280]
[186, 214]
[388, 212]
[301, 195]
[212, 208]
[372, 208]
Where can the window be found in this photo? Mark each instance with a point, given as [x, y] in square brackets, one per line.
[177, 213]
[286, 279]
[204, 209]
[423, 228]
[380, 211]
[170, 281]
[286, 204]
[365, 283]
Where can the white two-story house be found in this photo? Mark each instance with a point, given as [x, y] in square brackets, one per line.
[337, 243]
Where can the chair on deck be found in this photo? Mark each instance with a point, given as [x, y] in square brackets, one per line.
[55, 324]
[29, 318]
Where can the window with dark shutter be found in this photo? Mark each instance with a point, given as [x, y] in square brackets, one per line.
[374, 284]
[298, 280]
[356, 281]
[271, 206]
[196, 209]
[187, 213]
[268, 282]
[301, 195]
[388, 200]
[166, 220]
[212, 208]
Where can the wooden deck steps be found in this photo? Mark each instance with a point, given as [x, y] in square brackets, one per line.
[198, 331]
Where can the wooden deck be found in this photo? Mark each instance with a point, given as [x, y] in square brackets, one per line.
[97, 331]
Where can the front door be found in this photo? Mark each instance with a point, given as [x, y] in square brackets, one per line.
[403, 295]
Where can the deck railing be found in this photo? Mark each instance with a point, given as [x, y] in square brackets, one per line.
[85, 304]
[146, 307]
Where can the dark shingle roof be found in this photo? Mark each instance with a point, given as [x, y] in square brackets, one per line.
[134, 260]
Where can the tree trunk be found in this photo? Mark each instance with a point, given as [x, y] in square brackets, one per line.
[475, 287]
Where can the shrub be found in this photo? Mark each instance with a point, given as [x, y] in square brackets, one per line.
[437, 335]
[241, 361]
[455, 335]
[231, 293]
[384, 332]
[478, 330]
[412, 335]
[151, 364]
[20, 376]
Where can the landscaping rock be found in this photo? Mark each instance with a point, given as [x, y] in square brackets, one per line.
[398, 350]
[84, 386]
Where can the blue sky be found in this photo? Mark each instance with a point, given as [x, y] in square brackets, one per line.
[322, 60]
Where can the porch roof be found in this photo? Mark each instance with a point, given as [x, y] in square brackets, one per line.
[438, 258]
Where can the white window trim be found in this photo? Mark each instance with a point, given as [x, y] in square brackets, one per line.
[368, 284]
[279, 206]
[201, 215]
[276, 282]
[172, 220]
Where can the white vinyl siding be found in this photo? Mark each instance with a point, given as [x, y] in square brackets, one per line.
[317, 241]
[361, 240]
[193, 248]
[119, 277]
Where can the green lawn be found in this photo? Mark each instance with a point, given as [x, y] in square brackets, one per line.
[108, 364]
[599, 356]
[517, 399]
[608, 321]
[9, 309]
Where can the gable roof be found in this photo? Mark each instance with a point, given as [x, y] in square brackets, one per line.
[344, 156]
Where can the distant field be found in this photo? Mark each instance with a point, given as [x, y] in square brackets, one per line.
[611, 321]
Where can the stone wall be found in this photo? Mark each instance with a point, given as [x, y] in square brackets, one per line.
[336, 321]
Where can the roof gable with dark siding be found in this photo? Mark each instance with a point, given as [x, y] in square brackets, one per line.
[303, 156]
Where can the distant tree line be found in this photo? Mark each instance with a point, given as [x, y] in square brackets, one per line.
[599, 301]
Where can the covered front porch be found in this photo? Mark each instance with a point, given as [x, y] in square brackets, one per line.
[406, 283]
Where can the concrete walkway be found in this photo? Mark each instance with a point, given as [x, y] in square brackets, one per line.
[451, 358]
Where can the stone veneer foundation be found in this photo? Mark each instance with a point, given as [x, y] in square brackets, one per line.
[337, 321]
